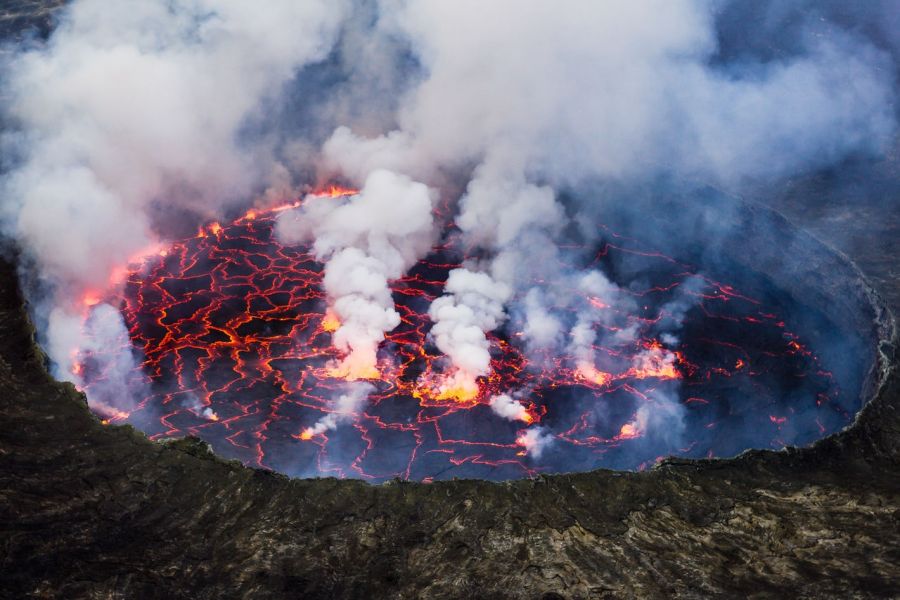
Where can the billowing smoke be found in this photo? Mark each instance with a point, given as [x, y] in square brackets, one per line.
[133, 119]
[596, 90]
[103, 337]
[132, 110]
[365, 241]
[509, 408]
[621, 89]
[602, 294]
[472, 306]
[507, 218]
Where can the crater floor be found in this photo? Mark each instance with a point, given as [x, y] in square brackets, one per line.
[232, 330]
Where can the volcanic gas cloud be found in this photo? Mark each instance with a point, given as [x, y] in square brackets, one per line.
[245, 342]
[454, 307]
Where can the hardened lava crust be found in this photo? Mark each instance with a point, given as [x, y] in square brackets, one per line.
[98, 511]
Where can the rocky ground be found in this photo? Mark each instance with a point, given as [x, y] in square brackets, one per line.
[90, 511]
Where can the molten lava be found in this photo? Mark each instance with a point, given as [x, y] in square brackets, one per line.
[235, 344]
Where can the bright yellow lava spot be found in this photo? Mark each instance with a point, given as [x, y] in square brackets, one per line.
[592, 374]
[330, 322]
[457, 394]
[351, 371]
[90, 299]
[660, 371]
[628, 430]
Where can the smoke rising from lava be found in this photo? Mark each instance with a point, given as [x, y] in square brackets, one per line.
[346, 408]
[366, 241]
[127, 108]
[614, 91]
[129, 115]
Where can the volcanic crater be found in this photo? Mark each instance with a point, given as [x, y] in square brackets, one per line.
[233, 337]
[296, 536]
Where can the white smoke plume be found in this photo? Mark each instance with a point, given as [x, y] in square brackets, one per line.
[535, 440]
[102, 339]
[602, 294]
[366, 241]
[194, 404]
[509, 408]
[590, 90]
[619, 89]
[472, 304]
[659, 419]
[346, 408]
[135, 106]
[542, 328]
[513, 220]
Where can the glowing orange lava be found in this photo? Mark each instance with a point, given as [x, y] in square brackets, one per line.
[590, 373]
[91, 299]
[351, 370]
[336, 191]
[628, 431]
[330, 322]
[240, 321]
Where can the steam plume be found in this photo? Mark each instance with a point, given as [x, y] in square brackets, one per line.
[129, 109]
[133, 115]
[509, 408]
[366, 241]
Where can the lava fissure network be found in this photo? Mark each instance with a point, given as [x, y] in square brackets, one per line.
[233, 336]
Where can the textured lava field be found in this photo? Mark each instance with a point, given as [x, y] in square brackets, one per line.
[233, 339]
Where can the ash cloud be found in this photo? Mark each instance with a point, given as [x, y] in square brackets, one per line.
[201, 107]
[542, 97]
[128, 107]
[365, 241]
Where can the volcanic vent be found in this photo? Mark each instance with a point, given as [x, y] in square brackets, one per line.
[234, 336]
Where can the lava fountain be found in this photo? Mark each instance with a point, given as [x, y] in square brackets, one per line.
[233, 337]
